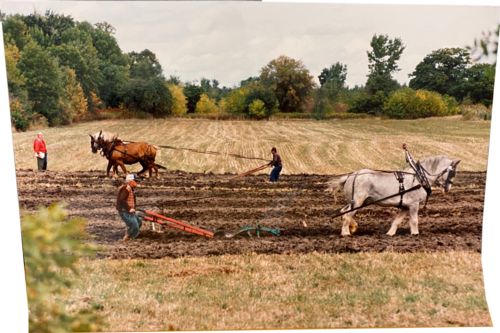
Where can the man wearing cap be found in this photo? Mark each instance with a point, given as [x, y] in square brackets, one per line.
[40, 152]
[125, 204]
[276, 164]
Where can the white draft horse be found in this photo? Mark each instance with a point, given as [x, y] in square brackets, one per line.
[365, 186]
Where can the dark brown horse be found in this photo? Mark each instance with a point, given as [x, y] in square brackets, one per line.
[120, 153]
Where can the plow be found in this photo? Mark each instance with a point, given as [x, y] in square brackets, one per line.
[172, 223]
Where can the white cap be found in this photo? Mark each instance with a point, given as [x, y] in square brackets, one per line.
[130, 176]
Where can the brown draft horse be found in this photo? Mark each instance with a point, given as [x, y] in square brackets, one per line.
[120, 153]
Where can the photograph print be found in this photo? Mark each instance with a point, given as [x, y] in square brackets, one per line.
[201, 166]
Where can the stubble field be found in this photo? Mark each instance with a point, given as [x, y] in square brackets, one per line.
[450, 226]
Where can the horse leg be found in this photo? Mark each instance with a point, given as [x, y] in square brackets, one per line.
[156, 170]
[122, 165]
[349, 225]
[144, 167]
[403, 212]
[108, 168]
[414, 219]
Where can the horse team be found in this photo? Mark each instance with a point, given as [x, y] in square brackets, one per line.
[360, 188]
[120, 153]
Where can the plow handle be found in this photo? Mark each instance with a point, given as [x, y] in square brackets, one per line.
[249, 172]
[175, 224]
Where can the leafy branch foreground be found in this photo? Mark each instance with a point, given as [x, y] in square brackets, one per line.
[313, 290]
[52, 246]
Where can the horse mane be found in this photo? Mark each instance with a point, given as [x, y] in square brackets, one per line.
[106, 136]
[433, 163]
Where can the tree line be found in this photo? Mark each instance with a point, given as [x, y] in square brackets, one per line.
[62, 71]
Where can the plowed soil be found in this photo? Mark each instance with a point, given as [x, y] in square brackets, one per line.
[298, 205]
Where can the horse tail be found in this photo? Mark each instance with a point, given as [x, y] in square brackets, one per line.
[335, 184]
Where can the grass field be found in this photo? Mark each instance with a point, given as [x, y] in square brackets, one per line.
[286, 291]
[306, 146]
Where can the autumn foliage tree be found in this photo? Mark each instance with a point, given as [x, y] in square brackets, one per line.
[289, 81]
[206, 105]
[179, 101]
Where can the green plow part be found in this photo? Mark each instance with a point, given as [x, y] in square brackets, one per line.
[257, 230]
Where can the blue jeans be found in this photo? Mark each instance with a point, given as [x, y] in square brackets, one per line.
[133, 223]
[275, 174]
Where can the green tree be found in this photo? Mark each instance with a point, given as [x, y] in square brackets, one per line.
[443, 71]
[151, 96]
[480, 83]
[193, 93]
[382, 63]
[78, 52]
[289, 81]
[144, 65]
[257, 91]
[113, 65]
[337, 74]
[332, 81]
[234, 102]
[211, 88]
[16, 31]
[43, 81]
[51, 25]
[52, 246]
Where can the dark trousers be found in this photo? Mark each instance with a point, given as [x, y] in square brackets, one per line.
[42, 163]
[275, 173]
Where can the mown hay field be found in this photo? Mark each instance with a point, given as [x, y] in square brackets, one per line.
[313, 282]
[306, 146]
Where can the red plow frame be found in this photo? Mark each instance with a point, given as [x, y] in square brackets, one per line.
[175, 224]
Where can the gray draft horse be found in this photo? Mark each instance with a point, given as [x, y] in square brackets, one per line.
[365, 186]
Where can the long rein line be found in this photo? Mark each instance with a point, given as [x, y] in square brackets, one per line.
[208, 152]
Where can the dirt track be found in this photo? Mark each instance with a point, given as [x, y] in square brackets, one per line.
[450, 222]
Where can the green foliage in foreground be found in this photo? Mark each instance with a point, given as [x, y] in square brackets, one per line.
[52, 245]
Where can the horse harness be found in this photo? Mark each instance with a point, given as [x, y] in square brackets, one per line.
[400, 177]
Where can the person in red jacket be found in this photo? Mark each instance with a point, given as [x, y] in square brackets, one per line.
[40, 152]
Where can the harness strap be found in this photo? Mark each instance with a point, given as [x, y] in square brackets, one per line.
[352, 195]
[400, 177]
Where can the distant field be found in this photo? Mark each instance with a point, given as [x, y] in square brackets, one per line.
[306, 146]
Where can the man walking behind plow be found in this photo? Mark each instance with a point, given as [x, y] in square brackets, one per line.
[125, 204]
[277, 165]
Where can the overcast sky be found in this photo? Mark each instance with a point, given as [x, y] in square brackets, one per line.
[230, 41]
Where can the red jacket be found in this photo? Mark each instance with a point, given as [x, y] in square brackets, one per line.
[39, 146]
